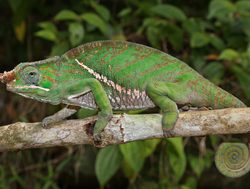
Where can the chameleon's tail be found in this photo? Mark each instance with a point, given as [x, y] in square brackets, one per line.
[222, 99]
[229, 101]
[232, 159]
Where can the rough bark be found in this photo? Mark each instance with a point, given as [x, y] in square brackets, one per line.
[124, 128]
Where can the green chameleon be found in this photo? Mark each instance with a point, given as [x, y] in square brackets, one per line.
[121, 76]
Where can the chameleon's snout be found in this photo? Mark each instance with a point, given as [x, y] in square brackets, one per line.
[7, 77]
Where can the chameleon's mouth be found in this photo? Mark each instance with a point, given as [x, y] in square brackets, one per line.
[21, 90]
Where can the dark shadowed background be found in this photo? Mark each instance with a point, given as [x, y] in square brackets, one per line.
[213, 37]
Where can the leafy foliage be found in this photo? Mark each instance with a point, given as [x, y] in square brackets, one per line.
[212, 36]
[107, 163]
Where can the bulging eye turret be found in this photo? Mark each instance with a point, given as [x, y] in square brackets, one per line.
[30, 75]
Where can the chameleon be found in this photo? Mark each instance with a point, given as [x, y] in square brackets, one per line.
[111, 76]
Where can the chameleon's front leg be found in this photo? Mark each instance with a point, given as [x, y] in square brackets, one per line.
[58, 116]
[101, 100]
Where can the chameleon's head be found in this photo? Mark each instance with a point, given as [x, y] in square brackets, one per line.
[32, 79]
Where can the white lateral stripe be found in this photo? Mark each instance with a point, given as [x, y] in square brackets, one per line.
[77, 95]
[135, 93]
[33, 87]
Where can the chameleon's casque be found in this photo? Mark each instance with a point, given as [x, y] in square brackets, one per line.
[116, 75]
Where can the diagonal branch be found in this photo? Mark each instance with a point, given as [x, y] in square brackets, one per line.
[124, 128]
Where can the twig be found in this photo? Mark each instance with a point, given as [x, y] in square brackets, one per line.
[124, 128]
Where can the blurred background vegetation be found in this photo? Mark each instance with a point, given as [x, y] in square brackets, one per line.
[212, 36]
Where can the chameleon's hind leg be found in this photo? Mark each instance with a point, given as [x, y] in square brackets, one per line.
[232, 159]
[58, 116]
[159, 93]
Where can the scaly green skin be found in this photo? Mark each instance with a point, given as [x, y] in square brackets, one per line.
[116, 75]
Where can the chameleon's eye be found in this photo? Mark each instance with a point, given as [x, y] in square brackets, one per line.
[30, 75]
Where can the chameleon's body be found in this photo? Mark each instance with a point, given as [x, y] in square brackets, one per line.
[116, 75]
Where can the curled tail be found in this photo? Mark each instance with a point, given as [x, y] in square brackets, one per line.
[232, 159]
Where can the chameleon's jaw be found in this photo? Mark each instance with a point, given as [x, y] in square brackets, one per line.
[25, 89]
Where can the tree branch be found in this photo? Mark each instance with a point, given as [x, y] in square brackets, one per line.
[124, 128]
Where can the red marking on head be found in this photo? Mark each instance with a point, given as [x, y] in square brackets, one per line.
[7, 77]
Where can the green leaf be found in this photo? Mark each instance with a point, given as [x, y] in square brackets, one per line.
[60, 48]
[125, 12]
[48, 26]
[229, 54]
[174, 35]
[20, 30]
[198, 61]
[153, 36]
[176, 156]
[135, 153]
[128, 171]
[217, 42]
[208, 158]
[46, 34]
[244, 79]
[214, 140]
[95, 20]
[108, 162]
[169, 12]
[193, 25]
[221, 9]
[214, 71]
[245, 22]
[101, 10]
[243, 6]
[197, 164]
[66, 15]
[76, 31]
[149, 146]
[199, 39]
[190, 183]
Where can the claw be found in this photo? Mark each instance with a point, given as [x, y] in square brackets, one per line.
[97, 138]
[46, 122]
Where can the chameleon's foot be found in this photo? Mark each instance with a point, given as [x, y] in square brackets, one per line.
[232, 159]
[185, 108]
[203, 108]
[168, 120]
[192, 108]
[47, 121]
[100, 124]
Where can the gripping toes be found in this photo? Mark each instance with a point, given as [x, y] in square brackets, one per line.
[168, 120]
[100, 124]
[47, 121]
